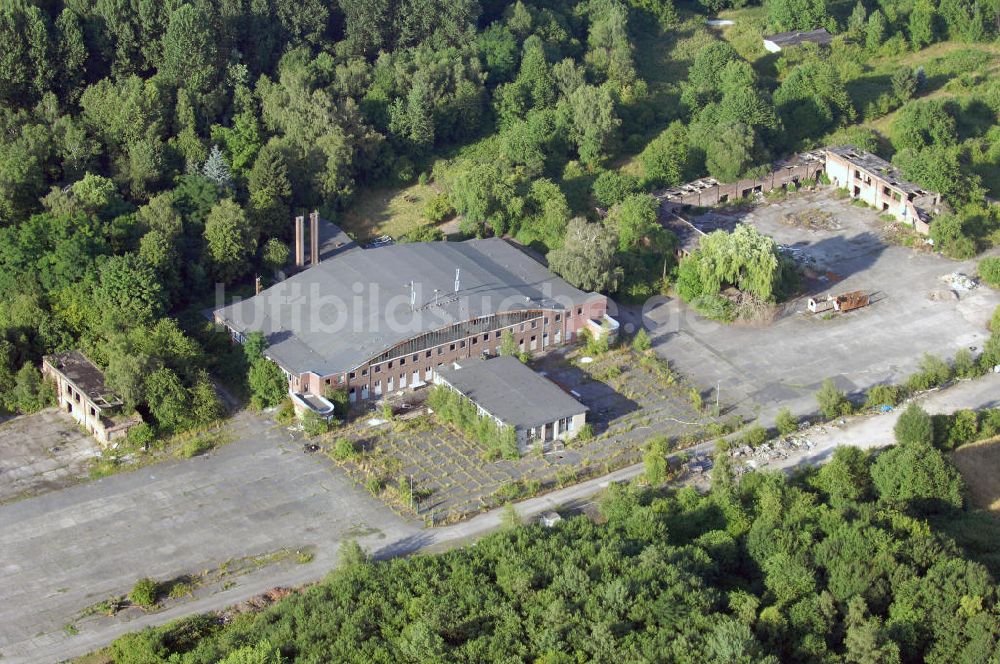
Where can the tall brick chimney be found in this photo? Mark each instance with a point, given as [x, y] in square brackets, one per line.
[314, 237]
[300, 240]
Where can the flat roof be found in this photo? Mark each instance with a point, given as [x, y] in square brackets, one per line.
[85, 375]
[336, 315]
[795, 37]
[877, 166]
[333, 241]
[510, 391]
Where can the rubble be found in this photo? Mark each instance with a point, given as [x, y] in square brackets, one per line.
[958, 281]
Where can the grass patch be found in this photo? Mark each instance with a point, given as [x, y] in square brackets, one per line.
[390, 210]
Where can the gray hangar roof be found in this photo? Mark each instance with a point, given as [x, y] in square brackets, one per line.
[507, 389]
[338, 314]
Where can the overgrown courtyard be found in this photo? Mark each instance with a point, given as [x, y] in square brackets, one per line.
[423, 467]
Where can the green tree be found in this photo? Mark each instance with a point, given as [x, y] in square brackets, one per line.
[921, 24]
[875, 30]
[594, 123]
[918, 475]
[25, 69]
[29, 392]
[261, 653]
[190, 50]
[229, 240]
[587, 257]
[275, 254]
[729, 153]
[641, 342]
[845, 478]
[126, 374]
[268, 385]
[635, 221]
[128, 293]
[168, 400]
[666, 160]
[508, 346]
[611, 187]
[914, 426]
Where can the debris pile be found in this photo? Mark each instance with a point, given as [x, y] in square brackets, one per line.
[957, 281]
[254, 604]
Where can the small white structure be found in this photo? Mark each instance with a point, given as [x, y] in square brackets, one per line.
[305, 402]
[819, 306]
[605, 325]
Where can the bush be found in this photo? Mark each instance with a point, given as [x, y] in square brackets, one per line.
[989, 271]
[884, 395]
[454, 408]
[438, 209]
[344, 449]
[832, 402]
[657, 468]
[786, 422]
[961, 428]
[585, 433]
[641, 342]
[755, 435]
[933, 372]
[965, 364]
[286, 413]
[30, 393]
[268, 385]
[145, 592]
[914, 426]
[313, 424]
[141, 435]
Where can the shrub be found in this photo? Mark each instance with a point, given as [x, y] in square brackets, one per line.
[196, 446]
[344, 449]
[585, 433]
[286, 413]
[933, 372]
[962, 428]
[989, 270]
[456, 409]
[268, 385]
[914, 426]
[145, 592]
[657, 468]
[141, 435]
[314, 425]
[965, 364]
[786, 422]
[755, 435]
[832, 402]
[341, 402]
[641, 342]
[884, 395]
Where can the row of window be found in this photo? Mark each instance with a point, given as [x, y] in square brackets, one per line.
[474, 340]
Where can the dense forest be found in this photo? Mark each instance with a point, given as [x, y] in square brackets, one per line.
[839, 564]
[151, 150]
